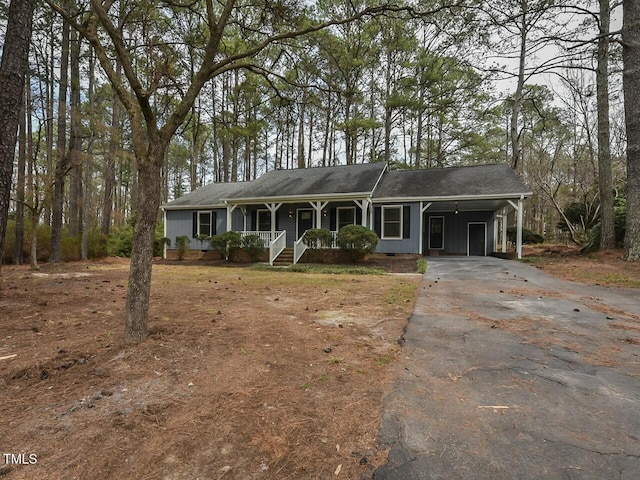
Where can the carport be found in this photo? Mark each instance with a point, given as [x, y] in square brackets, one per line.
[471, 225]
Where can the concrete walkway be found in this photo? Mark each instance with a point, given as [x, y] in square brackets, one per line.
[513, 374]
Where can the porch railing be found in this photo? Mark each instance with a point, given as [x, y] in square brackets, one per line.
[277, 246]
[298, 249]
[265, 236]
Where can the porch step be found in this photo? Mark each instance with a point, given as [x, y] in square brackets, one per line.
[285, 258]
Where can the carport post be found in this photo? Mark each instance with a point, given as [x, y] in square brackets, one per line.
[518, 209]
[519, 234]
[423, 208]
[504, 230]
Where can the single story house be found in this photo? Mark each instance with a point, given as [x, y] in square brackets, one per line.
[452, 211]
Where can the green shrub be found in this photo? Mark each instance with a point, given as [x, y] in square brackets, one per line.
[253, 245]
[421, 266]
[119, 241]
[182, 244]
[357, 241]
[527, 235]
[317, 238]
[229, 243]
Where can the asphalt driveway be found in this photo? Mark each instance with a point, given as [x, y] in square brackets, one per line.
[513, 374]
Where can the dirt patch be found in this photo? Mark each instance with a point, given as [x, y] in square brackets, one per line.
[607, 267]
[245, 374]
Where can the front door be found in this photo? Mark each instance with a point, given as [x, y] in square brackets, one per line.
[436, 233]
[305, 221]
[477, 239]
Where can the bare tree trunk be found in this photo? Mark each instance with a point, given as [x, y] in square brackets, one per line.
[301, 156]
[15, 62]
[75, 141]
[608, 235]
[22, 154]
[50, 113]
[110, 165]
[62, 159]
[88, 167]
[517, 97]
[631, 85]
[149, 191]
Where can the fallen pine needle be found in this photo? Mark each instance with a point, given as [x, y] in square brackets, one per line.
[338, 470]
[499, 407]
[9, 357]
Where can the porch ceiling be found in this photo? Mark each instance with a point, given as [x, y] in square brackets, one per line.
[486, 205]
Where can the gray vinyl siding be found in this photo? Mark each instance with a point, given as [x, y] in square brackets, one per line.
[180, 222]
[405, 245]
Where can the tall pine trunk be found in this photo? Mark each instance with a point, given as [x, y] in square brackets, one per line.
[15, 62]
[22, 156]
[75, 141]
[605, 182]
[62, 159]
[631, 85]
[110, 165]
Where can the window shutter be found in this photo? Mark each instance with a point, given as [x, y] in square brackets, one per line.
[277, 214]
[254, 220]
[406, 221]
[377, 221]
[214, 220]
[358, 216]
[195, 225]
[332, 219]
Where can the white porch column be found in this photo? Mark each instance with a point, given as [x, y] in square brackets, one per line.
[318, 206]
[423, 208]
[230, 209]
[273, 208]
[364, 206]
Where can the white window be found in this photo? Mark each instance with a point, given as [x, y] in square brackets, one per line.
[204, 223]
[263, 220]
[392, 223]
[345, 216]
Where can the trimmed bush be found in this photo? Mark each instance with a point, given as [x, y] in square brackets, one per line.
[357, 241]
[229, 243]
[182, 244]
[317, 238]
[253, 246]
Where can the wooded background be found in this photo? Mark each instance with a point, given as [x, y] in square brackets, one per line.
[520, 82]
[129, 103]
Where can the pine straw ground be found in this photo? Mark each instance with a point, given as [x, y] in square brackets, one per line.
[246, 374]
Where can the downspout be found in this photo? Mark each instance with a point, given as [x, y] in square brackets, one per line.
[164, 234]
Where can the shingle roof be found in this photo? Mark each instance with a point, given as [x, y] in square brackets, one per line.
[481, 180]
[452, 181]
[343, 179]
[210, 195]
